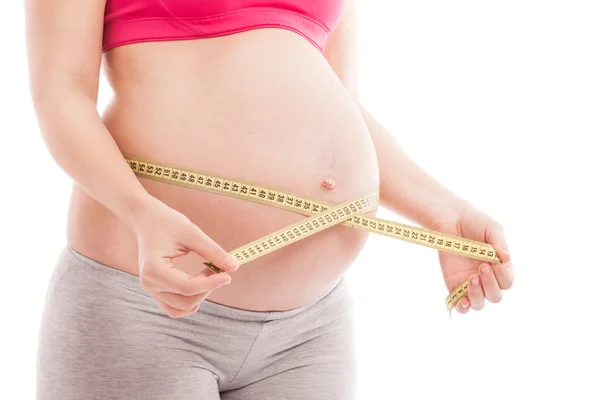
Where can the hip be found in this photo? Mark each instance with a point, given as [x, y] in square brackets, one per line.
[101, 328]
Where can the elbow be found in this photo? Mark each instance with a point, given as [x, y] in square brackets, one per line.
[52, 101]
[48, 97]
[53, 92]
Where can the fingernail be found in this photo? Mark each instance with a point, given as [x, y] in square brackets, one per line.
[231, 262]
[464, 305]
[485, 269]
[224, 283]
[475, 281]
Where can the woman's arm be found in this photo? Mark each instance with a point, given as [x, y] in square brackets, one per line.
[409, 191]
[412, 193]
[405, 187]
[64, 41]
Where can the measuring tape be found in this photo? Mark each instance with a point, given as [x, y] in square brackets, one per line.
[322, 215]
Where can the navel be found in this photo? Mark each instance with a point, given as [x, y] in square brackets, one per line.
[327, 184]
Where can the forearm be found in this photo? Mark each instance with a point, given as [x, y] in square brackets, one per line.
[81, 145]
[406, 188]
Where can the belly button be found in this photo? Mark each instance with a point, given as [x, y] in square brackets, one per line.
[327, 184]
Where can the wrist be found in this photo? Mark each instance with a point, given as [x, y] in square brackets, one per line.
[445, 212]
[134, 206]
[428, 208]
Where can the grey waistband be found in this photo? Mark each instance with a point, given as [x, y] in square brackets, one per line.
[132, 282]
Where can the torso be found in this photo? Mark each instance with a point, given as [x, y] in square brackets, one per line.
[261, 106]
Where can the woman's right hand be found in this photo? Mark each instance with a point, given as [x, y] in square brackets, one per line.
[164, 234]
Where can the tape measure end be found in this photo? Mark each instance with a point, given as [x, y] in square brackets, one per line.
[213, 268]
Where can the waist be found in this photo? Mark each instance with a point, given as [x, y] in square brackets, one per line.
[288, 157]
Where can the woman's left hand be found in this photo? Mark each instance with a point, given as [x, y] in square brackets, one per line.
[486, 281]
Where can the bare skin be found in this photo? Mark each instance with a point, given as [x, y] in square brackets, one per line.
[247, 114]
[233, 106]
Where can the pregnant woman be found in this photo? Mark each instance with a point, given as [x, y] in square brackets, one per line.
[257, 91]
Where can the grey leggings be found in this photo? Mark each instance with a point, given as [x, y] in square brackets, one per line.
[103, 337]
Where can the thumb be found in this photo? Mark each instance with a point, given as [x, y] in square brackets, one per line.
[197, 241]
[494, 235]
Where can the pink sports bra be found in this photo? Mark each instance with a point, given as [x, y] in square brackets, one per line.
[134, 21]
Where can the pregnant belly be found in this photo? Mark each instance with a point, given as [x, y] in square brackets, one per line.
[233, 107]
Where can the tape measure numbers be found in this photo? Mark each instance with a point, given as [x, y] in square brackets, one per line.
[322, 215]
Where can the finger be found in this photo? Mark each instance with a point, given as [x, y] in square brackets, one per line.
[491, 289]
[198, 242]
[503, 271]
[173, 312]
[463, 306]
[494, 235]
[476, 297]
[164, 278]
[505, 275]
[181, 302]
[206, 272]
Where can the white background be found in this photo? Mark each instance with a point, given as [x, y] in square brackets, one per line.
[500, 101]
